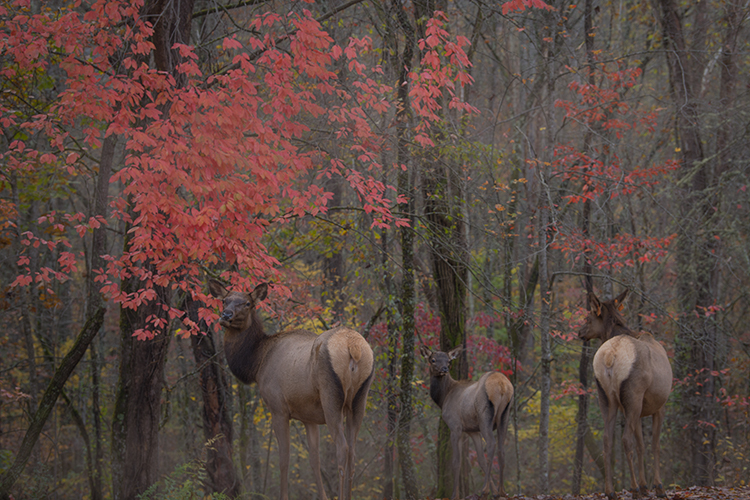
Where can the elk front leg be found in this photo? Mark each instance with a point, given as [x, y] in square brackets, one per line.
[313, 442]
[457, 453]
[280, 426]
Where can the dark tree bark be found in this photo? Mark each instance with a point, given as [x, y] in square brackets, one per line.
[137, 412]
[442, 196]
[400, 63]
[217, 421]
[697, 339]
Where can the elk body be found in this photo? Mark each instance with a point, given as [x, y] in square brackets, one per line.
[317, 379]
[476, 408]
[633, 375]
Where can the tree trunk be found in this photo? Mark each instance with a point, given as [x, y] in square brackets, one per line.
[137, 411]
[545, 343]
[217, 421]
[94, 299]
[582, 425]
[697, 339]
[47, 403]
[391, 396]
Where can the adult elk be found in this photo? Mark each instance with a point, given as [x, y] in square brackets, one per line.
[317, 379]
[476, 408]
[632, 374]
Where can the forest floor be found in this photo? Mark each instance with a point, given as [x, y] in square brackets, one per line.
[691, 493]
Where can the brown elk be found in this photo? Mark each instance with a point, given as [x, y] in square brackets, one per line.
[632, 374]
[317, 379]
[476, 408]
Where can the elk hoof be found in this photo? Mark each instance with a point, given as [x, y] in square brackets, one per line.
[659, 489]
[636, 493]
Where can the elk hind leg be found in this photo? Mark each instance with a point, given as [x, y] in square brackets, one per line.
[502, 431]
[353, 423]
[632, 437]
[476, 438]
[609, 413]
[313, 442]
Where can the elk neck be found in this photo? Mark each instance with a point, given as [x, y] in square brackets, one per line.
[440, 387]
[245, 349]
[619, 329]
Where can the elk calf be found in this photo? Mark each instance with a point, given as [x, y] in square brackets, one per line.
[476, 408]
[633, 375]
[317, 379]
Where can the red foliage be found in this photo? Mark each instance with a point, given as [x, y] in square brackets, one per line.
[213, 161]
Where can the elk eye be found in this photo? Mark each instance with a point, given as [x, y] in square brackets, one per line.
[247, 304]
[432, 360]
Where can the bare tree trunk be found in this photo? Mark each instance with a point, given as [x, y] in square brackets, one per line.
[408, 308]
[391, 397]
[47, 404]
[333, 264]
[545, 343]
[582, 425]
[94, 300]
[697, 339]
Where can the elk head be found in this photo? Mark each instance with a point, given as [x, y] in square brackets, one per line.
[439, 361]
[603, 318]
[239, 307]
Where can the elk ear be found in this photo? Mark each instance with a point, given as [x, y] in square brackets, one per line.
[425, 351]
[217, 289]
[620, 298]
[453, 353]
[260, 292]
[596, 306]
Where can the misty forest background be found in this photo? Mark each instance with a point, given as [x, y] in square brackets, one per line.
[601, 146]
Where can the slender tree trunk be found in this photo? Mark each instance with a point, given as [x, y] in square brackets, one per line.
[94, 299]
[545, 343]
[47, 403]
[391, 397]
[333, 264]
[583, 364]
[408, 308]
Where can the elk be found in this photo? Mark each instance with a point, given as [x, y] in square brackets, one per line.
[476, 408]
[633, 375]
[316, 379]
